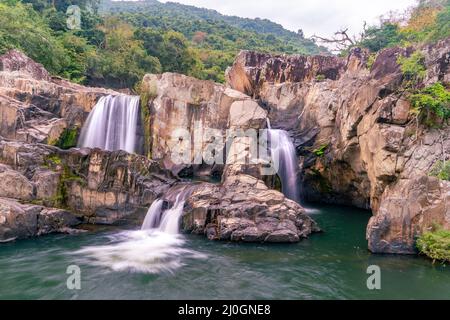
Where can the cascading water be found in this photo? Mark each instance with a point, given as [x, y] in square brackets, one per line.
[156, 248]
[153, 217]
[284, 156]
[112, 124]
[167, 221]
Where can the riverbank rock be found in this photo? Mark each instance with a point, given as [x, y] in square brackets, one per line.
[20, 221]
[243, 209]
[355, 136]
[101, 187]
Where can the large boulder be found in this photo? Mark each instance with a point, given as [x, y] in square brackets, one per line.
[244, 209]
[16, 61]
[186, 114]
[20, 221]
[409, 208]
[14, 185]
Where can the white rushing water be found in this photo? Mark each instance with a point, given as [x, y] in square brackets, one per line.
[112, 124]
[167, 221]
[156, 248]
[148, 251]
[284, 156]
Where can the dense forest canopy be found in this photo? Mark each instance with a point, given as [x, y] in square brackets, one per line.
[119, 42]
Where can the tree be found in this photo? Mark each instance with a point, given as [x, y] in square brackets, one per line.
[152, 41]
[24, 29]
[341, 40]
[121, 61]
[377, 38]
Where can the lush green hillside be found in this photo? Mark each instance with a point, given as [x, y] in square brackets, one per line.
[119, 42]
[122, 41]
[216, 38]
[220, 31]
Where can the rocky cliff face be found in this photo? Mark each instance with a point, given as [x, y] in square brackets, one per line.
[35, 107]
[91, 186]
[101, 187]
[187, 115]
[352, 127]
[355, 137]
[244, 209]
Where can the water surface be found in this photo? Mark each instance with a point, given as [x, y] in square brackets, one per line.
[117, 264]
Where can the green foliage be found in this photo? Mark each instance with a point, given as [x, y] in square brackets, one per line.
[428, 22]
[320, 78]
[319, 152]
[117, 48]
[413, 68]
[121, 61]
[68, 138]
[377, 38]
[53, 160]
[371, 60]
[212, 40]
[432, 102]
[24, 29]
[441, 170]
[435, 244]
[442, 27]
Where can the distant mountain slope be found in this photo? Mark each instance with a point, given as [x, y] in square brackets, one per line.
[213, 30]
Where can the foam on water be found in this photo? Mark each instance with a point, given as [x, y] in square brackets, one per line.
[149, 251]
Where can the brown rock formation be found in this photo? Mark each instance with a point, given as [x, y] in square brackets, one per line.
[244, 209]
[35, 107]
[372, 155]
[99, 186]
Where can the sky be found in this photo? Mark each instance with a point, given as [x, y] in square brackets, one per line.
[320, 17]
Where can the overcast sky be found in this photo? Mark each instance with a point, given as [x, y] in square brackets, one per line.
[322, 17]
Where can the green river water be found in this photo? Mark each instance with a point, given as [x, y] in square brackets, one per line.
[117, 264]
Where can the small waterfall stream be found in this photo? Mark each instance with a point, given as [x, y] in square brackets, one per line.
[157, 247]
[167, 221]
[112, 124]
[284, 156]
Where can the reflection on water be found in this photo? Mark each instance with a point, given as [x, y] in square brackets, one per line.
[147, 265]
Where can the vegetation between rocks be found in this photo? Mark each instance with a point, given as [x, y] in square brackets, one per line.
[435, 244]
[413, 68]
[441, 170]
[432, 104]
[68, 138]
[320, 152]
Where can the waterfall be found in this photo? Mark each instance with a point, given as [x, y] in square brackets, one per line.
[284, 156]
[167, 221]
[156, 248]
[153, 216]
[112, 124]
